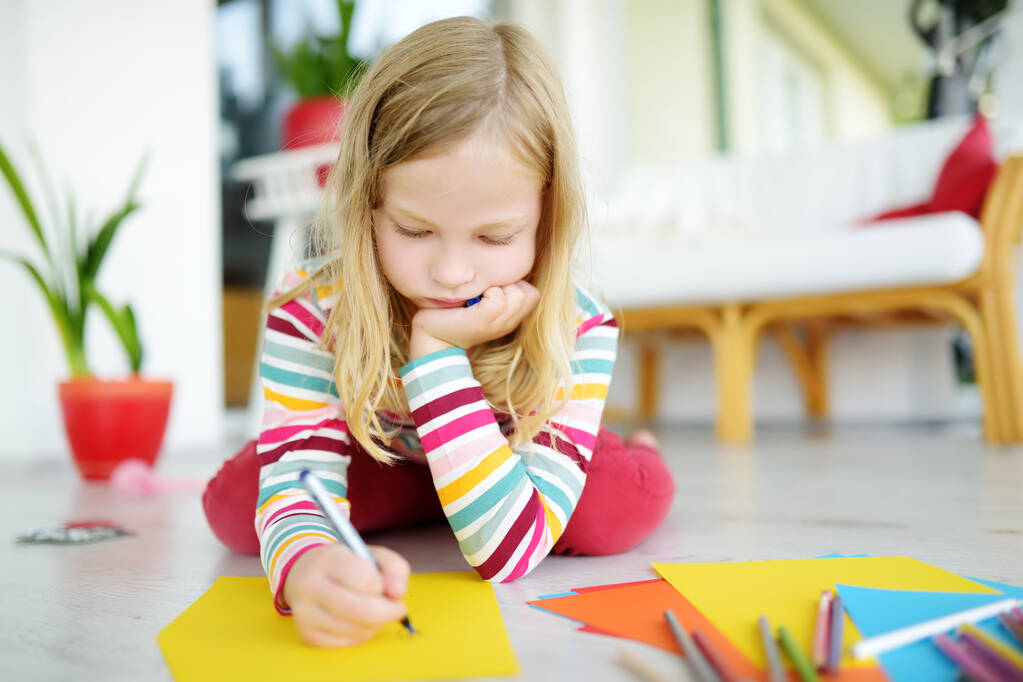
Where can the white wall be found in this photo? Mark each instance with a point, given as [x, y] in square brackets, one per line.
[669, 87]
[97, 84]
[586, 40]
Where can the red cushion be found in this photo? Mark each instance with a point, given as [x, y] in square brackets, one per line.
[964, 178]
[907, 212]
[627, 495]
[230, 501]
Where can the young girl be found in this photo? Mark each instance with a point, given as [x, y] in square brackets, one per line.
[456, 180]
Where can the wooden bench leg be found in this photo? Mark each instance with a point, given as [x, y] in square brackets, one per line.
[809, 359]
[734, 350]
[999, 320]
[649, 378]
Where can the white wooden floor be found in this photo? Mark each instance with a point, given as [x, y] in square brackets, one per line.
[92, 612]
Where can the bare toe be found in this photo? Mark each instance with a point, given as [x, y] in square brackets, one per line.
[642, 438]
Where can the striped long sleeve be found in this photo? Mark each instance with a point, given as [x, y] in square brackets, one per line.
[507, 508]
[303, 428]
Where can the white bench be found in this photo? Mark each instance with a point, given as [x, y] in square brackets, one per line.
[729, 246]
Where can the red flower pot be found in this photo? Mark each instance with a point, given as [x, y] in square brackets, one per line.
[312, 121]
[108, 422]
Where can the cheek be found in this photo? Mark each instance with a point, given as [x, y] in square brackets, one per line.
[390, 256]
[514, 264]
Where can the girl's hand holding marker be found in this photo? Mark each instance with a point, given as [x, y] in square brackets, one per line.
[340, 599]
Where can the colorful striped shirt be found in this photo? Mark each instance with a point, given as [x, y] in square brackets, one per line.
[507, 508]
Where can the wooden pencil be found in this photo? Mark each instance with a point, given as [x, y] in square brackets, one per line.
[1013, 626]
[835, 635]
[820, 630]
[1004, 650]
[641, 668]
[976, 669]
[775, 670]
[694, 658]
[799, 661]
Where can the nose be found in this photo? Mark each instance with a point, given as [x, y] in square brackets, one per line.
[451, 269]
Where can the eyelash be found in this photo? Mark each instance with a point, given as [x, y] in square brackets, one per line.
[419, 234]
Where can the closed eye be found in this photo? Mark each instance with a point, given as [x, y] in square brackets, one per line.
[497, 241]
[411, 234]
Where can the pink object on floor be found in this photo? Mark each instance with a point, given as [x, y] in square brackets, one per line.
[135, 477]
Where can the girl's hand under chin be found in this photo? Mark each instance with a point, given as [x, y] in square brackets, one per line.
[500, 312]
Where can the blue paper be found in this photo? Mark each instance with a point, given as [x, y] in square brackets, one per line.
[877, 611]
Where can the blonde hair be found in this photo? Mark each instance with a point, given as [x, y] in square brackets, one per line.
[424, 95]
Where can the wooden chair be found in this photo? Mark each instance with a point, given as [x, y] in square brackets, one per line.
[983, 304]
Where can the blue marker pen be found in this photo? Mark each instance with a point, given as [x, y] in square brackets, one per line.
[473, 301]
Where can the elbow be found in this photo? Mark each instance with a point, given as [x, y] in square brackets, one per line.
[508, 573]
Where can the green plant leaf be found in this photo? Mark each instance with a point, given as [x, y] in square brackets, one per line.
[134, 357]
[47, 184]
[345, 10]
[72, 340]
[321, 65]
[24, 201]
[97, 249]
[123, 322]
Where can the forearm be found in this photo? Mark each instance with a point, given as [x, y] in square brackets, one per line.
[505, 517]
[422, 344]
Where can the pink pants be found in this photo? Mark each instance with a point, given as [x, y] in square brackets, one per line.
[628, 493]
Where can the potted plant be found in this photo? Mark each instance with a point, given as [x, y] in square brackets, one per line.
[107, 421]
[323, 74]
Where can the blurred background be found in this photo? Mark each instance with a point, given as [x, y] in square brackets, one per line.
[650, 82]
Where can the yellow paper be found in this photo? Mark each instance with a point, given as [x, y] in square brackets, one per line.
[232, 632]
[734, 595]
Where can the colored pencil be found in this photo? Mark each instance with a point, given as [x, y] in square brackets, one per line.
[977, 669]
[775, 670]
[1017, 613]
[873, 646]
[1004, 650]
[1002, 666]
[1013, 626]
[721, 665]
[821, 629]
[698, 665]
[799, 661]
[641, 668]
[835, 634]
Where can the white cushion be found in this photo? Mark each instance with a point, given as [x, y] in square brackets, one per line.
[924, 250]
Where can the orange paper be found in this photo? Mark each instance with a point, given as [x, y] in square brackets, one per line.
[636, 611]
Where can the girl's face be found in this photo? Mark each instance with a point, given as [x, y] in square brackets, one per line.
[449, 225]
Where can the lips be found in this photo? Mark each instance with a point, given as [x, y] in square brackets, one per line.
[447, 302]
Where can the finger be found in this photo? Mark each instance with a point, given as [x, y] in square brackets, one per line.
[493, 301]
[532, 293]
[327, 636]
[514, 295]
[359, 609]
[532, 297]
[520, 302]
[328, 640]
[316, 627]
[395, 570]
[342, 567]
